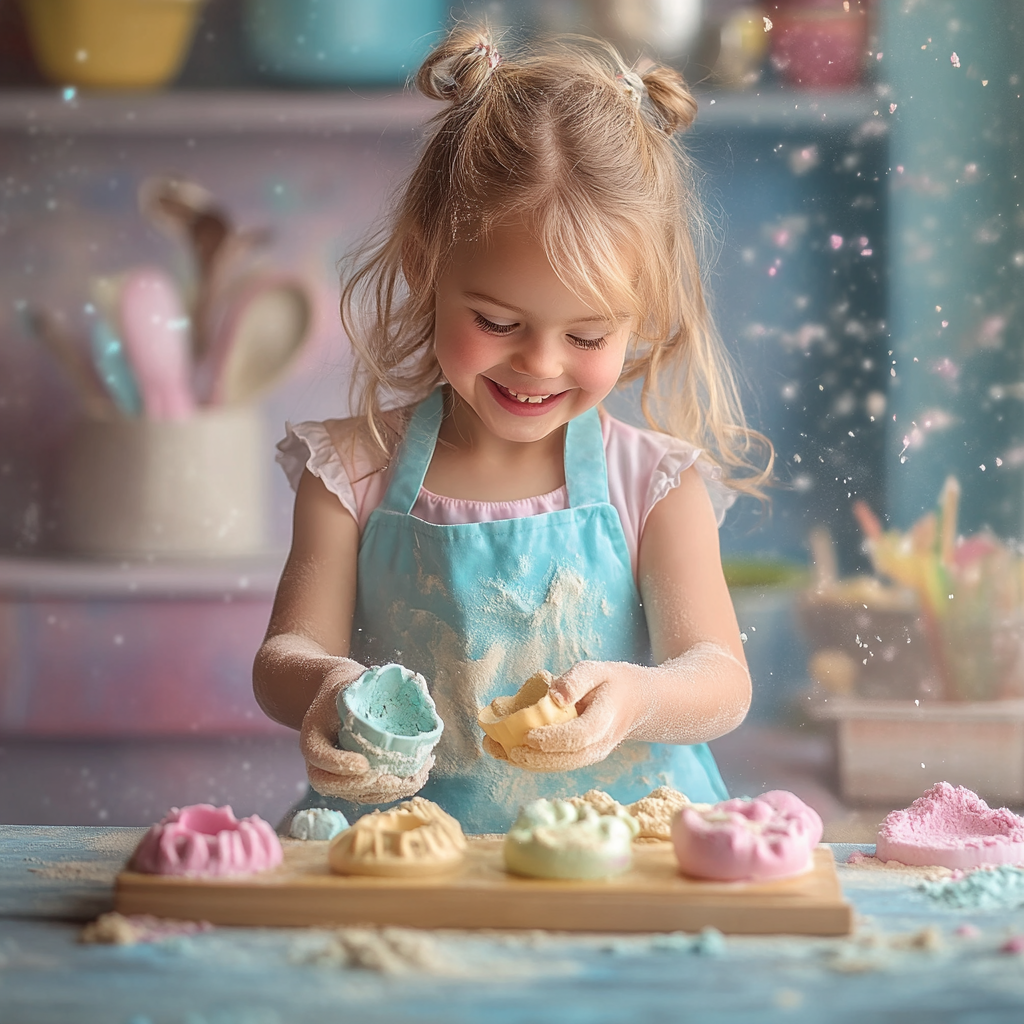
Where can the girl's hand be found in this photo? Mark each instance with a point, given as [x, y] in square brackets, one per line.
[699, 695]
[608, 696]
[344, 773]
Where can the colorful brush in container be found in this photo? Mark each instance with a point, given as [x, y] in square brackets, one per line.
[388, 716]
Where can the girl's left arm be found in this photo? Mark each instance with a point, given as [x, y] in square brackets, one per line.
[699, 687]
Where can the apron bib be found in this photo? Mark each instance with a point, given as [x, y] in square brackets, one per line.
[477, 608]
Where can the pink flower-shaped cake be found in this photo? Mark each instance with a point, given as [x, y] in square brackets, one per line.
[203, 840]
[951, 826]
[769, 837]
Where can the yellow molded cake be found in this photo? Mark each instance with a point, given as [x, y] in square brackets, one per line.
[507, 720]
[415, 838]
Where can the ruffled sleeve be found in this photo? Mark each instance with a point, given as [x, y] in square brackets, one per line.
[677, 459]
[643, 466]
[309, 445]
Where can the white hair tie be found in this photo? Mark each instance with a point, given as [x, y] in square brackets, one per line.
[487, 50]
[633, 84]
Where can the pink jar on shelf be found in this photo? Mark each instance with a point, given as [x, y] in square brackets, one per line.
[820, 44]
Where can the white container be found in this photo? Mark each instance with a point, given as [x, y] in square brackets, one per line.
[173, 489]
[892, 751]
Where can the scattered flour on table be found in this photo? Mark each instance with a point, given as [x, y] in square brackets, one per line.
[998, 888]
[128, 930]
[932, 873]
[478, 956]
[118, 844]
[484, 955]
[880, 951]
[77, 870]
[387, 950]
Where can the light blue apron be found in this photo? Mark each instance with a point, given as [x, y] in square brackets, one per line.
[477, 608]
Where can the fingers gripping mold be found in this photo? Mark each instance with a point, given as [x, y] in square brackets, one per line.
[318, 823]
[413, 839]
[563, 839]
[507, 720]
[388, 716]
[202, 840]
[772, 836]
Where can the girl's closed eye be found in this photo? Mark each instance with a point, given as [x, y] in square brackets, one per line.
[589, 343]
[491, 327]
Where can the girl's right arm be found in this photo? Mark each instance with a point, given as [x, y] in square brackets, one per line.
[311, 622]
[303, 663]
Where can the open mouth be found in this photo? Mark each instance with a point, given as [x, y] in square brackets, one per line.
[532, 399]
[522, 402]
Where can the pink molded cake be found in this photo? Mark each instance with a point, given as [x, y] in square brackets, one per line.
[951, 827]
[203, 840]
[769, 837]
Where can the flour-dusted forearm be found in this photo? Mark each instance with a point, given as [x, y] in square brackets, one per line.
[288, 672]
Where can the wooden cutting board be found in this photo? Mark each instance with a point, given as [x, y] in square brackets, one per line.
[652, 897]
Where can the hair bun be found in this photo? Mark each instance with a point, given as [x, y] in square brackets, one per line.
[670, 97]
[457, 69]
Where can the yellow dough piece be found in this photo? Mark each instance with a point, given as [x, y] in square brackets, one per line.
[415, 838]
[507, 720]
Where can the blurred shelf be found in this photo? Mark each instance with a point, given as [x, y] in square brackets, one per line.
[779, 108]
[844, 708]
[34, 579]
[334, 113]
[210, 112]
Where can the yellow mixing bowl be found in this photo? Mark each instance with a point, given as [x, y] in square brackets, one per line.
[111, 44]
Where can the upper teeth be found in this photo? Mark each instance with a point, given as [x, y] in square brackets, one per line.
[534, 399]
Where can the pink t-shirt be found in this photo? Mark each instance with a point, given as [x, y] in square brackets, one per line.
[643, 466]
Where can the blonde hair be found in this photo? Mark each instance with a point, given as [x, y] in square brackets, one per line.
[574, 144]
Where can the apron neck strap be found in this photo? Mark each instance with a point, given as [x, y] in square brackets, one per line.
[414, 454]
[586, 472]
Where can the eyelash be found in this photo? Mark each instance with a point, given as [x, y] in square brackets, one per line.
[590, 344]
[486, 325]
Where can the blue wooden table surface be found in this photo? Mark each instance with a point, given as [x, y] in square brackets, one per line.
[904, 963]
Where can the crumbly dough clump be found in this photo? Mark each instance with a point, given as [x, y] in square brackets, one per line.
[654, 812]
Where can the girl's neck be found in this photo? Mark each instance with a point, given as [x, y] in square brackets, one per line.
[473, 464]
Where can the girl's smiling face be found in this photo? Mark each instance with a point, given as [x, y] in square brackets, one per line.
[521, 350]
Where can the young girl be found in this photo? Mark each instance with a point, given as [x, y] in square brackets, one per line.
[483, 518]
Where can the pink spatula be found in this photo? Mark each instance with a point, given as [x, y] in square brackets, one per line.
[155, 330]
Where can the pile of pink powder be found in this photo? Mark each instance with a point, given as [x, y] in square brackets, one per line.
[953, 827]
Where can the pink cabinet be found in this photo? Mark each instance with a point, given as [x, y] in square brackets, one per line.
[107, 650]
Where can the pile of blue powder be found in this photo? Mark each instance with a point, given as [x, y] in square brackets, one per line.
[999, 888]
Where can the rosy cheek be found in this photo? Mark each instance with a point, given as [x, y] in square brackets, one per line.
[462, 348]
[598, 371]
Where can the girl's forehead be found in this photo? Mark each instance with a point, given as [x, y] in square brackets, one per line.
[516, 254]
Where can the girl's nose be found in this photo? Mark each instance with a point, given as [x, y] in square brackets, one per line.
[537, 356]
